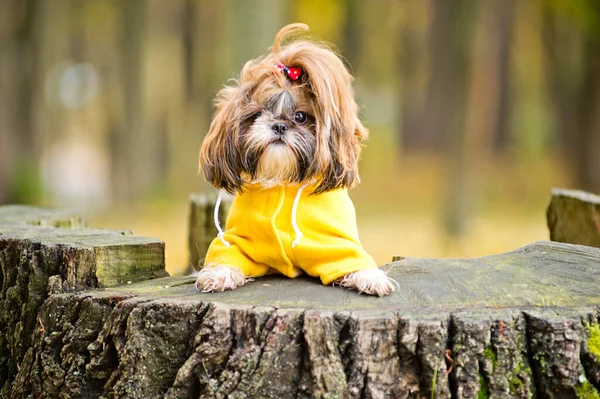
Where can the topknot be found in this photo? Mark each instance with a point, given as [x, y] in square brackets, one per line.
[287, 33]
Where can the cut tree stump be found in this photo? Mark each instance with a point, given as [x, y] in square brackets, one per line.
[574, 217]
[516, 325]
[202, 230]
[16, 215]
[37, 261]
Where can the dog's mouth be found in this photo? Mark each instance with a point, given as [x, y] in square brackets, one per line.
[277, 141]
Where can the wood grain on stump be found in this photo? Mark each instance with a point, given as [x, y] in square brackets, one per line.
[574, 217]
[522, 324]
[34, 216]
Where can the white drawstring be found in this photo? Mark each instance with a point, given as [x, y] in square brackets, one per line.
[294, 211]
[217, 224]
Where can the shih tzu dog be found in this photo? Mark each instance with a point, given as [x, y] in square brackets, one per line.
[285, 140]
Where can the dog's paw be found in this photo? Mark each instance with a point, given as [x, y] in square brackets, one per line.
[371, 281]
[220, 278]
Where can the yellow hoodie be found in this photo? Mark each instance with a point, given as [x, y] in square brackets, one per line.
[261, 238]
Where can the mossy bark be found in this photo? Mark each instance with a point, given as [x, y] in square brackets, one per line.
[37, 260]
[161, 338]
[107, 344]
[517, 325]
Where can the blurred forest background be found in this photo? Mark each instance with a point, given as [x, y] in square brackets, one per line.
[476, 109]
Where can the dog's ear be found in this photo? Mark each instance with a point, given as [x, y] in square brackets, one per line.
[219, 156]
[340, 133]
[343, 134]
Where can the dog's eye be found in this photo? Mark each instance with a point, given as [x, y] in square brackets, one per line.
[256, 115]
[300, 117]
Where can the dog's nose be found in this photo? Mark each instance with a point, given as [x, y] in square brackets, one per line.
[279, 128]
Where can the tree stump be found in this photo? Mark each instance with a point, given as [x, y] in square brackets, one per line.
[574, 217]
[21, 215]
[520, 324]
[202, 229]
[37, 260]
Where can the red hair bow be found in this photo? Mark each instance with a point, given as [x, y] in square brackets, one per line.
[292, 73]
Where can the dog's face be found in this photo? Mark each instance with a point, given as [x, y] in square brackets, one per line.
[273, 130]
[278, 136]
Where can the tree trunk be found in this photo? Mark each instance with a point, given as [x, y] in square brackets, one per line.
[488, 119]
[6, 8]
[201, 39]
[460, 328]
[588, 145]
[502, 39]
[444, 119]
[188, 35]
[411, 63]
[352, 38]
[19, 63]
[130, 158]
[457, 330]
[573, 71]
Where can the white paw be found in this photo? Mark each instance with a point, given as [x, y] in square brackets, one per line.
[371, 281]
[220, 278]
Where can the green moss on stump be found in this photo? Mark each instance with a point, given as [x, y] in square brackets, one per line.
[517, 385]
[434, 383]
[491, 355]
[483, 388]
[593, 342]
[586, 390]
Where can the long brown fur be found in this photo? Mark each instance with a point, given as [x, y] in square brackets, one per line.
[324, 90]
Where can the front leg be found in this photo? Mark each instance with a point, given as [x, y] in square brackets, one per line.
[227, 266]
[370, 281]
[220, 278]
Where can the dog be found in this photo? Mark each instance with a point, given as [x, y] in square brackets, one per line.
[285, 140]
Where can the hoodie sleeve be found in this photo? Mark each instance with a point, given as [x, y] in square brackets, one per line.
[234, 255]
[330, 247]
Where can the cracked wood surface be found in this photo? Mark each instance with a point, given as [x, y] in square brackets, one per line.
[541, 274]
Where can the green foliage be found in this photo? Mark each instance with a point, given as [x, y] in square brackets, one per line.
[25, 185]
[582, 13]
